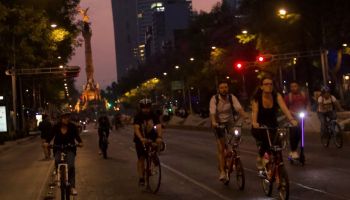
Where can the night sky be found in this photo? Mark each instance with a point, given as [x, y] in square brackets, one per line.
[103, 50]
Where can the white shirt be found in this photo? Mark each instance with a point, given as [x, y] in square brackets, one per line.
[223, 111]
[326, 105]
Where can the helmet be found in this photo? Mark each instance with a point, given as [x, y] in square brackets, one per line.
[325, 89]
[145, 103]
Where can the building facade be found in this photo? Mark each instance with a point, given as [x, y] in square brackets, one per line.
[125, 31]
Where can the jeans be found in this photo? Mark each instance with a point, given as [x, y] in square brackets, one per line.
[70, 158]
[323, 115]
[294, 137]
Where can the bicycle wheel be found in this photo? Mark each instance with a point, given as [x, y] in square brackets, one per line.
[267, 182]
[325, 138]
[240, 178]
[153, 173]
[338, 136]
[63, 186]
[283, 187]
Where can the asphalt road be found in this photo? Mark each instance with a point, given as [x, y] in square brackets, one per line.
[189, 170]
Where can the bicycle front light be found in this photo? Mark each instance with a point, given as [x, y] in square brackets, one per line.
[301, 115]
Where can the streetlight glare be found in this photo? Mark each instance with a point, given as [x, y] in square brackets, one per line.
[53, 25]
[245, 32]
[282, 12]
[192, 59]
[61, 66]
[213, 47]
[165, 73]
[345, 45]
[177, 67]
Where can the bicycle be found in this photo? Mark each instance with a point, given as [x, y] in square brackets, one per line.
[153, 173]
[332, 129]
[274, 169]
[232, 158]
[62, 171]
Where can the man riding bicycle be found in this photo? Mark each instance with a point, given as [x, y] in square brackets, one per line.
[222, 109]
[327, 105]
[146, 127]
[296, 101]
[66, 133]
[103, 127]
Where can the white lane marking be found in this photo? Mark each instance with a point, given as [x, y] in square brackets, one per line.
[43, 185]
[306, 187]
[318, 190]
[191, 180]
[195, 182]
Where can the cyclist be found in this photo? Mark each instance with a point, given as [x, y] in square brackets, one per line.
[327, 105]
[265, 105]
[297, 101]
[65, 133]
[223, 107]
[146, 126]
[103, 127]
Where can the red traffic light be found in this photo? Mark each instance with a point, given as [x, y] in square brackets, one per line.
[261, 59]
[239, 65]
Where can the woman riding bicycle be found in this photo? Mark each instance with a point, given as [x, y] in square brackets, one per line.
[327, 105]
[66, 133]
[265, 105]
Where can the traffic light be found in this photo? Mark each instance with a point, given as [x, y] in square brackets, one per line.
[239, 65]
[263, 58]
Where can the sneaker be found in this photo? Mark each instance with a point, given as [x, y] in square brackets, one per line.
[222, 176]
[141, 182]
[73, 191]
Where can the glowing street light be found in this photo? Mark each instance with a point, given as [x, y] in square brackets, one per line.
[53, 25]
[177, 67]
[345, 45]
[213, 47]
[165, 73]
[61, 66]
[347, 77]
[245, 32]
[192, 59]
[282, 12]
[227, 77]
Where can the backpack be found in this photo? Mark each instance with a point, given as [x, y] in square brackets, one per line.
[234, 112]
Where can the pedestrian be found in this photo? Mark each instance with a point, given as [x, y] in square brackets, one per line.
[45, 127]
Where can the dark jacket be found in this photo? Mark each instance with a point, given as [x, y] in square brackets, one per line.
[45, 129]
[70, 137]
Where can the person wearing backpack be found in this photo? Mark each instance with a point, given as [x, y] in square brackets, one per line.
[327, 106]
[223, 107]
[296, 101]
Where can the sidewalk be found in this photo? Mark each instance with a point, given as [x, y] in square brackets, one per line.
[12, 143]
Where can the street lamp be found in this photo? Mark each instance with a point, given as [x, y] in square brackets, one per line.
[61, 66]
[192, 59]
[282, 12]
[213, 47]
[345, 45]
[165, 73]
[177, 67]
[53, 25]
[245, 32]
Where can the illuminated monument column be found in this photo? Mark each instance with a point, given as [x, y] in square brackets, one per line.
[91, 90]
